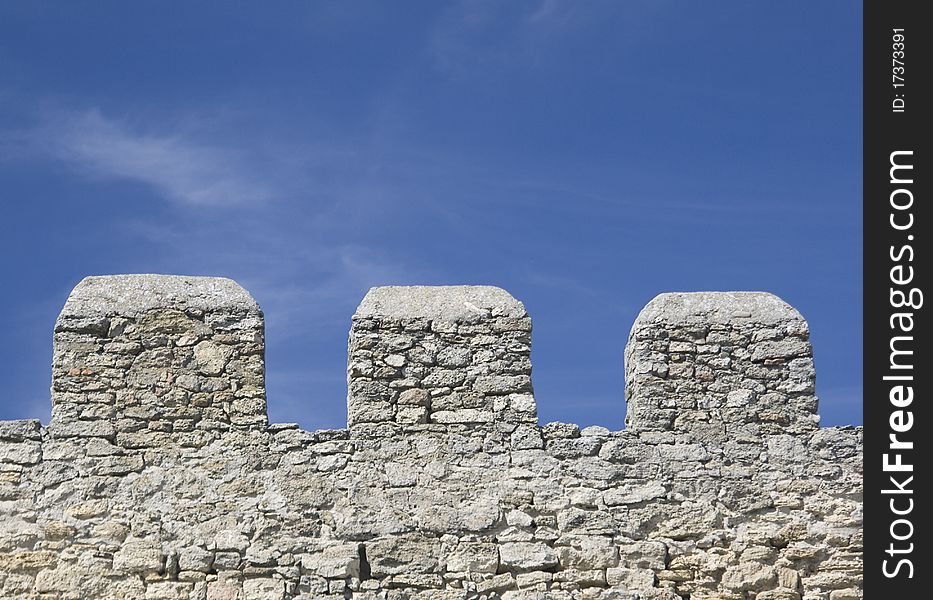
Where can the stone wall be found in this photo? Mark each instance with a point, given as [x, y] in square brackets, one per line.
[446, 355]
[147, 362]
[160, 478]
[720, 365]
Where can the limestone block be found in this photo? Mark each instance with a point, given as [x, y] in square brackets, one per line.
[527, 556]
[474, 557]
[334, 561]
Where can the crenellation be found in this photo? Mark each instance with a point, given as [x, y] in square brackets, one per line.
[720, 365]
[149, 361]
[457, 355]
[160, 477]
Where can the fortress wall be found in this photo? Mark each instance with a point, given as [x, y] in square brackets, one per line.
[159, 477]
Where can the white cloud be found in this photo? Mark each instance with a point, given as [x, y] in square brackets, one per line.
[179, 167]
[467, 39]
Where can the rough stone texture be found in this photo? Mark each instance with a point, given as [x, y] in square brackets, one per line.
[456, 355]
[721, 364]
[159, 477]
[154, 360]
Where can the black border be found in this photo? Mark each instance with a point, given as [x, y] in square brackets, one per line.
[886, 131]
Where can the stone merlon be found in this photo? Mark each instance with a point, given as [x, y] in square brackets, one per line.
[720, 364]
[453, 355]
[453, 303]
[160, 477]
[135, 295]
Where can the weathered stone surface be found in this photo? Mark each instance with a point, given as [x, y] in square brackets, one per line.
[334, 561]
[527, 556]
[720, 365]
[175, 361]
[160, 478]
[473, 557]
[24, 429]
[135, 295]
[462, 353]
[139, 556]
[455, 303]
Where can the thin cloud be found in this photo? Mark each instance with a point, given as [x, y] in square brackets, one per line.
[467, 40]
[182, 169]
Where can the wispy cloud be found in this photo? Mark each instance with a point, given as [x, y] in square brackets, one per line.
[178, 166]
[468, 40]
[455, 44]
[289, 220]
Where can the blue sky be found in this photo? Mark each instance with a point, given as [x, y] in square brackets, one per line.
[584, 156]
